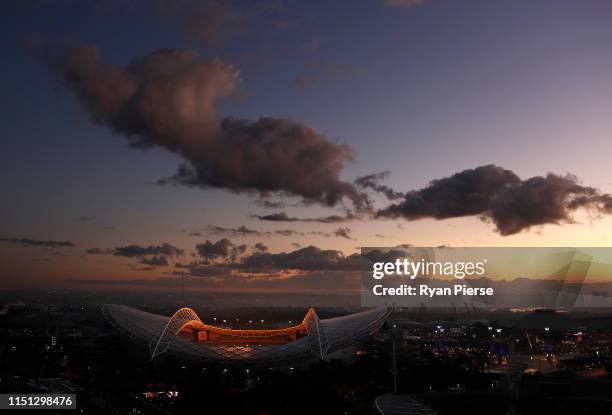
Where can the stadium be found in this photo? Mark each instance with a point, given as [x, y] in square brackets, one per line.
[185, 336]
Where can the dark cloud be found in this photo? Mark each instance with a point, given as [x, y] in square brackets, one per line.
[168, 99]
[99, 251]
[38, 242]
[197, 234]
[221, 260]
[377, 255]
[242, 231]
[343, 233]
[261, 247]
[295, 244]
[136, 251]
[372, 181]
[283, 217]
[310, 258]
[303, 163]
[210, 250]
[239, 231]
[332, 218]
[463, 194]
[277, 217]
[500, 196]
[286, 232]
[155, 260]
[544, 200]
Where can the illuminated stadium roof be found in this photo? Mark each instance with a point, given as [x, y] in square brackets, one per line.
[185, 335]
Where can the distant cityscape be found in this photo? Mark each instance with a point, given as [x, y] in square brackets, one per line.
[444, 361]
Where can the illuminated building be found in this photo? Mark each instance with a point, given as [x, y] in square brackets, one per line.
[185, 336]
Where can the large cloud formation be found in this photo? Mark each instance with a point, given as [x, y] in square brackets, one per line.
[223, 258]
[310, 258]
[151, 255]
[168, 98]
[500, 196]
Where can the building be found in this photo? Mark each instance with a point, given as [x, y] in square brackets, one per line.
[185, 336]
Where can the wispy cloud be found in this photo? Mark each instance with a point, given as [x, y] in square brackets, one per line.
[136, 251]
[372, 181]
[283, 217]
[343, 233]
[38, 242]
[239, 231]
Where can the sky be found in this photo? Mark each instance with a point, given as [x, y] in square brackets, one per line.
[275, 109]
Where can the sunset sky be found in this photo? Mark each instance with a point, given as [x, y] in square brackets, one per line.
[97, 120]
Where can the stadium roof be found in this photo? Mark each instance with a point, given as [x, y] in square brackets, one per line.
[185, 335]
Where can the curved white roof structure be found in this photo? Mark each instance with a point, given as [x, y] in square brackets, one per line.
[185, 335]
